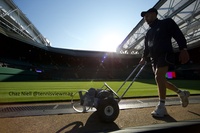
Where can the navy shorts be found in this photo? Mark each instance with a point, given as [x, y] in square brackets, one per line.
[167, 59]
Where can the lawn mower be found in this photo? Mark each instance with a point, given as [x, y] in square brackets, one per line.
[105, 100]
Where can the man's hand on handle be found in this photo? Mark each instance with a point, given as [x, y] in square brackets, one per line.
[142, 61]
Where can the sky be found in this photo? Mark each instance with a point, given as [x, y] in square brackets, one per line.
[96, 25]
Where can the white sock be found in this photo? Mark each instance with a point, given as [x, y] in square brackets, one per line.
[161, 102]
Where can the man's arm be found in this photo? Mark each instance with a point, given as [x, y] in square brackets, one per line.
[181, 41]
[177, 34]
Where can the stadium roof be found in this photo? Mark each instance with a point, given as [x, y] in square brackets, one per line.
[186, 13]
[14, 19]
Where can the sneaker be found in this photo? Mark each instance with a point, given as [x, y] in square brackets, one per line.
[184, 99]
[160, 111]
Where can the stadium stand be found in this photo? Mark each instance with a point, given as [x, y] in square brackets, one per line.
[64, 64]
[33, 57]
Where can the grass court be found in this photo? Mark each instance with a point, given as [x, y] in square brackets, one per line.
[62, 91]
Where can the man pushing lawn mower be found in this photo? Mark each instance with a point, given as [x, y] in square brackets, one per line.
[158, 47]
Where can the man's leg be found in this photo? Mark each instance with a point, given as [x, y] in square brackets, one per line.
[171, 86]
[183, 95]
[162, 84]
[160, 79]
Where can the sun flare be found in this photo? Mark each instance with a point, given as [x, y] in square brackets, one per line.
[110, 41]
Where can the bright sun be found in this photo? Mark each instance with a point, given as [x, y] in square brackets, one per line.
[110, 41]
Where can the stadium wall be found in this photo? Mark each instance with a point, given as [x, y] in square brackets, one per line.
[14, 74]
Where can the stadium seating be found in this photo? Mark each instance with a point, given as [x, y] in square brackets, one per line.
[47, 63]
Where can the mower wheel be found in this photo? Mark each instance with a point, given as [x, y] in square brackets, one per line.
[108, 110]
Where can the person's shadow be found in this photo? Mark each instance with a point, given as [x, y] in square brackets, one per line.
[93, 124]
[167, 118]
